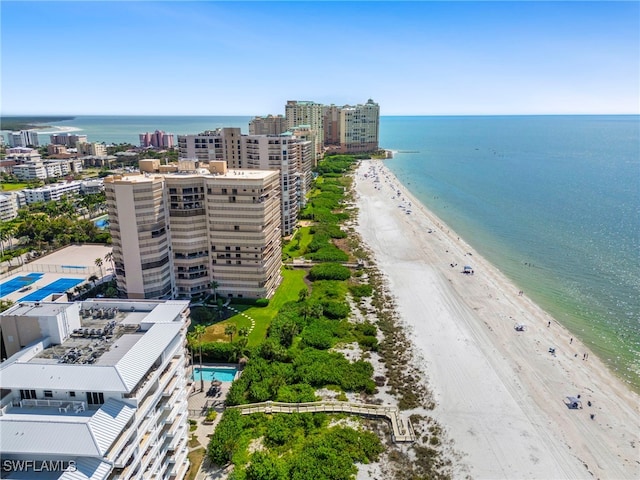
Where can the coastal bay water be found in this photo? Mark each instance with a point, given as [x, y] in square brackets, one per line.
[552, 201]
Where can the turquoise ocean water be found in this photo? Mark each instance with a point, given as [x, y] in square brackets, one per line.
[552, 201]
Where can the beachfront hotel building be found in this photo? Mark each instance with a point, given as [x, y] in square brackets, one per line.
[174, 234]
[290, 155]
[94, 390]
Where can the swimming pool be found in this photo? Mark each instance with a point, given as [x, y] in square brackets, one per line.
[59, 286]
[102, 222]
[17, 283]
[223, 374]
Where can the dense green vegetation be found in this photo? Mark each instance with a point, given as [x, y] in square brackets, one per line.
[44, 226]
[298, 447]
[26, 123]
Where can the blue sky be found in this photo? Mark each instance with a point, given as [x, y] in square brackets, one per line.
[237, 58]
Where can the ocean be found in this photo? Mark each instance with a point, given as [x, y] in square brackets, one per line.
[552, 201]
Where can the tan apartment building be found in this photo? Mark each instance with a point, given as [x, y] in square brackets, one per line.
[210, 225]
[138, 222]
[305, 113]
[221, 144]
[269, 125]
[287, 153]
[96, 149]
[352, 129]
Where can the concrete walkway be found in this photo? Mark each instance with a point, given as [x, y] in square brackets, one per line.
[401, 429]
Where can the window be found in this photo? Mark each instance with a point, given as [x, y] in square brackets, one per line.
[236, 227]
[48, 394]
[95, 398]
[27, 394]
[72, 394]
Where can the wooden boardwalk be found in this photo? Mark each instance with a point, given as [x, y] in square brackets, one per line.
[401, 430]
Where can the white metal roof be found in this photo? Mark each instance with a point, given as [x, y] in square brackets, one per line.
[121, 376]
[109, 422]
[65, 435]
[88, 469]
[62, 376]
[139, 359]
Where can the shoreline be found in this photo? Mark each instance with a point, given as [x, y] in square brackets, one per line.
[499, 392]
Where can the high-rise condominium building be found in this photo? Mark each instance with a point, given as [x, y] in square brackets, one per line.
[174, 235]
[157, 139]
[94, 390]
[287, 153]
[23, 138]
[67, 139]
[269, 125]
[352, 129]
[310, 114]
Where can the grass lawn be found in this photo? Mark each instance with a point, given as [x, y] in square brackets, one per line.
[7, 187]
[292, 283]
[195, 457]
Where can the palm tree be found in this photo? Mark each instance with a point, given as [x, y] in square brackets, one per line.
[93, 279]
[198, 333]
[214, 286]
[98, 263]
[243, 332]
[108, 257]
[230, 330]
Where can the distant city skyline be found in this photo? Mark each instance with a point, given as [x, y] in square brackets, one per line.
[249, 58]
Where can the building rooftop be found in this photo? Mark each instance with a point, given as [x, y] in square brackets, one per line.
[117, 343]
[29, 432]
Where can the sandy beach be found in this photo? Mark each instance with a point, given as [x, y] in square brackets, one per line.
[500, 393]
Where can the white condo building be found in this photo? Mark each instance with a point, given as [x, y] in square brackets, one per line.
[23, 138]
[94, 390]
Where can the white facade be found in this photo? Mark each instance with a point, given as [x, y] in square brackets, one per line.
[8, 207]
[30, 171]
[97, 390]
[51, 192]
[23, 138]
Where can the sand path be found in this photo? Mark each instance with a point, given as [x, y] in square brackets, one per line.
[499, 392]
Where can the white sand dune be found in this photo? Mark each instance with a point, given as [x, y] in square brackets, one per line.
[499, 393]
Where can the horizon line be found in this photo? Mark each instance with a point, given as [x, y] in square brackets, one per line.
[11, 115]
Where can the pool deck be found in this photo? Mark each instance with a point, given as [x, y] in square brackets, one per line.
[199, 403]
